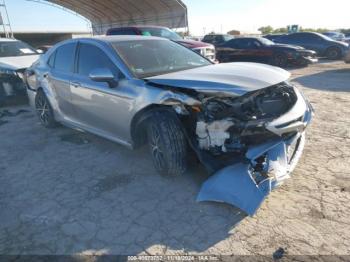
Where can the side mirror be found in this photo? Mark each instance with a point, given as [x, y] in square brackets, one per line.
[103, 75]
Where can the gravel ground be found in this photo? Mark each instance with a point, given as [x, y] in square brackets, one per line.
[63, 192]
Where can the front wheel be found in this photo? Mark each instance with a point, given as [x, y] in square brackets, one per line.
[167, 144]
[44, 110]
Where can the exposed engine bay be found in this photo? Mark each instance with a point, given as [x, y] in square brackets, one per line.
[250, 143]
[233, 124]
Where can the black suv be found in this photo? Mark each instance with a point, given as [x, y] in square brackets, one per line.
[217, 39]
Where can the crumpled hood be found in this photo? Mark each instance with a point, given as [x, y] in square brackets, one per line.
[228, 78]
[18, 62]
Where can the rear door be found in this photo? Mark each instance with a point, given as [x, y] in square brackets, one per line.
[61, 65]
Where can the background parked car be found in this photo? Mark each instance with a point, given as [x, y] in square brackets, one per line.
[15, 57]
[272, 37]
[347, 57]
[335, 35]
[347, 40]
[217, 39]
[44, 48]
[323, 45]
[205, 49]
[262, 50]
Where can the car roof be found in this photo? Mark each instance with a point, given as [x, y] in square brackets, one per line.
[8, 40]
[217, 34]
[139, 26]
[248, 37]
[121, 38]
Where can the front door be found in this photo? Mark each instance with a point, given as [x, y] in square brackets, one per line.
[99, 107]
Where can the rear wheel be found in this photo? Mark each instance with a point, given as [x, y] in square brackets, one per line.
[44, 110]
[333, 53]
[280, 60]
[167, 144]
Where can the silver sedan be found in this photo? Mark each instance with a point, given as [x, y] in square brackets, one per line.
[244, 121]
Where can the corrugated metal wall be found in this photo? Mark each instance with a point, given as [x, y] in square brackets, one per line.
[104, 14]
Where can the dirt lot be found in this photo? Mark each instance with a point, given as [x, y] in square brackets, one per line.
[63, 192]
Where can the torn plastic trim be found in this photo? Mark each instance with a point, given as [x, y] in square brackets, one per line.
[237, 185]
[172, 98]
[298, 117]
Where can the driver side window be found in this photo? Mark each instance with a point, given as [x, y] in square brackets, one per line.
[91, 57]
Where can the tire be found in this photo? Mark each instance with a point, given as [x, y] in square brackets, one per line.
[167, 144]
[302, 63]
[279, 60]
[44, 110]
[333, 53]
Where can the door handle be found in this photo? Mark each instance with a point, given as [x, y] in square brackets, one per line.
[76, 84]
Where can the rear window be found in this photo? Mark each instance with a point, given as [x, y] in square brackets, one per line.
[64, 58]
[122, 31]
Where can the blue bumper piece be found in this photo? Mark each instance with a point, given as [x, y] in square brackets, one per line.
[235, 186]
[240, 186]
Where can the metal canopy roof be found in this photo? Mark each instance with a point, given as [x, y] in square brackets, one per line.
[104, 14]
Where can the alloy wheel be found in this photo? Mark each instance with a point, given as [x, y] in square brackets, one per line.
[157, 153]
[42, 109]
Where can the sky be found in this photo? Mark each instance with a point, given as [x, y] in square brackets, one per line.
[204, 15]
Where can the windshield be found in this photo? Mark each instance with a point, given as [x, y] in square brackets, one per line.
[334, 34]
[147, 58]
[15, 48]
[160, 32]
[266, 41]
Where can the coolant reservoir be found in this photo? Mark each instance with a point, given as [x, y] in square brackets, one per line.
[202, 135]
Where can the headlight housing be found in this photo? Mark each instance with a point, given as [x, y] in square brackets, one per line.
[7, 72]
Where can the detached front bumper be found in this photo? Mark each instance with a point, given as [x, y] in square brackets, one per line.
[310, 59]
[266, 166]
[12, 90]
[347, 57]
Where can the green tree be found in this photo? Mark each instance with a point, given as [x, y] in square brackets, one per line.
[345, 31]
[282, 30]
[266, 29]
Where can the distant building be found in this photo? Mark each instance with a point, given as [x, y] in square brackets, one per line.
[41, 38]
[234, 32]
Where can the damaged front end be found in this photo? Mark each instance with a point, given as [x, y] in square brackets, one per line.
[12, 87]
[250, 143]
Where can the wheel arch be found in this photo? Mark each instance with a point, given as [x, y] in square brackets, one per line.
[331, 47]
[139, 121]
